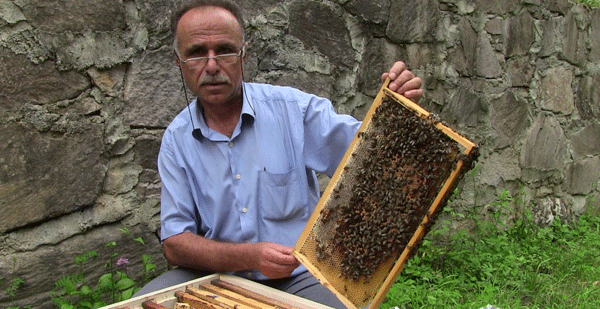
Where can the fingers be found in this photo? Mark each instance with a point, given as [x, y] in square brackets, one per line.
[395, 71]
[282, 256]
[403, 81]
[277, 261]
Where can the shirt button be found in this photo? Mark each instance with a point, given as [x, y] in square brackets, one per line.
[230, 144]
[244, 210]
[238, 176]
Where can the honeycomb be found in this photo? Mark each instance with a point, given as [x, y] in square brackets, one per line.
[385, 194]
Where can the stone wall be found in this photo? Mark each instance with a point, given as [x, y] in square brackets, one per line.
[87, 88]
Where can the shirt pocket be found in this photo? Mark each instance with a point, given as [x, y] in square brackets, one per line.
[280, 196]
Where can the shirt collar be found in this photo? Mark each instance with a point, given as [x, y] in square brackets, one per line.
[200, 129]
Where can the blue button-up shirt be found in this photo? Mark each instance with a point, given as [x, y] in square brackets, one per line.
[259, 185]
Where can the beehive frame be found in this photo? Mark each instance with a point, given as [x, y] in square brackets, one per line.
[167, 297]
[325, 258]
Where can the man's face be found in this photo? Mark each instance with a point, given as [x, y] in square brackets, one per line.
[208, 32]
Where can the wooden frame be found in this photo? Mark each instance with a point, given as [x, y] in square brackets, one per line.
[167, 298]
[397, 267]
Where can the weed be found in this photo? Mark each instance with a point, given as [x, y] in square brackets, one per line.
[590, 4]
[71, 291]
[521, 266]
[13, 286]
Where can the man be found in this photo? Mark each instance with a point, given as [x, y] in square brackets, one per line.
[238, 167]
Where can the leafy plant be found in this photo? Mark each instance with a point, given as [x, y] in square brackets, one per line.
[71, 291]
[520, 266]
[13, 286]
[591, 4]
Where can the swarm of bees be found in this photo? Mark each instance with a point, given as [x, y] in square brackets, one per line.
[399, 166]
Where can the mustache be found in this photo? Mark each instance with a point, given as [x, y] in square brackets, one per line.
[214, 79]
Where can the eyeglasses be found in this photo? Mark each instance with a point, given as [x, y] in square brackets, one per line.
[200, 62]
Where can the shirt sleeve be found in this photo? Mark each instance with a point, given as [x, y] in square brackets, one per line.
[327, 135]
[177, 210]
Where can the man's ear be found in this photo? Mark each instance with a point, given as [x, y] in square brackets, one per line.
[244, 54]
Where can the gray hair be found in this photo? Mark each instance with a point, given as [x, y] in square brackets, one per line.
[187, 5]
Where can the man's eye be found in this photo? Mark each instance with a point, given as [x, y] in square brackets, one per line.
[225, 51]
[196, 53]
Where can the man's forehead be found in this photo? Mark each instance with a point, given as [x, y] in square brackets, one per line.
[208, 20]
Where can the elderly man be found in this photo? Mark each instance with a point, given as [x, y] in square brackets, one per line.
[238, 166]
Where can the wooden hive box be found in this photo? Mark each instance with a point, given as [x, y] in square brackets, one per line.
[394, 179]
[219, 291]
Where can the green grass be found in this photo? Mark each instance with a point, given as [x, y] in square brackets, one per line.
[523, 266]
[589, 3]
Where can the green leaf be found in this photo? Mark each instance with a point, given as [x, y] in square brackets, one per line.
[111, 244]
[146, 258]
[125, 283]
[125, 230]
[127, 294]
[121, 275]
[140, 240]
[149, 267]
[85, 290]
[105, 281]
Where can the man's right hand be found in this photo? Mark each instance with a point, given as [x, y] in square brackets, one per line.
[196, 252]
[274, 260]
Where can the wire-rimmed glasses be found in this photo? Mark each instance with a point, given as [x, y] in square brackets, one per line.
[200, 62]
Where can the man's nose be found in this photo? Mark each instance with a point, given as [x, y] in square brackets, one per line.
[212, 66]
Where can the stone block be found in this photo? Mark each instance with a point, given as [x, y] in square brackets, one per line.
[574, 41]
[375, 11]
[10, 14]
[110, 81]
[486, 61]
[588, 97]
[497, 7]
[466, 55]
[582, 176]
[496, 26]
[413, 21]
[556, 94]
[545, 146]
[122, 175]
[377, 58]
[587, 141]
[520, 35]
[146, 151]
[560, 6]
[500, 167]
[21, 81]
[318, 26]
[548, 209]
[551, 40]
[465, 108]
[153, 89]
[594, 55]
[74, 15]
[520, 71]
[99, 49]
[509, 119]
[44, 176]
[156, 17]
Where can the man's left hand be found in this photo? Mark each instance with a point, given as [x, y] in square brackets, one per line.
[404, 81]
